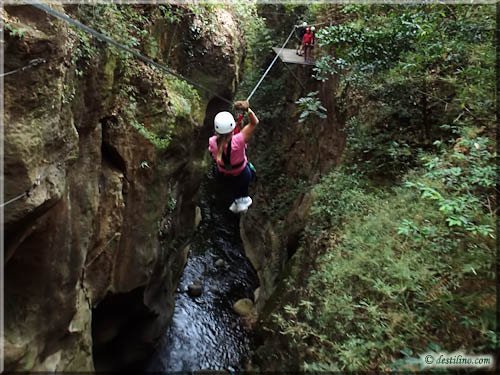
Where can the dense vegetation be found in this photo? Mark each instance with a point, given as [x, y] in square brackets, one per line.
[399, 247]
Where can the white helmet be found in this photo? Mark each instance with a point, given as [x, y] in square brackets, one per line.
[304, 24]
[313, 28]
[224, 123]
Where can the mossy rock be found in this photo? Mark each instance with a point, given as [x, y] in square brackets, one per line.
[244, 307]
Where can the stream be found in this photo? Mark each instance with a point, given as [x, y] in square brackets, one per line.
[205, 333]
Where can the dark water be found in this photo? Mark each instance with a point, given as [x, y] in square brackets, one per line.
[205, 332]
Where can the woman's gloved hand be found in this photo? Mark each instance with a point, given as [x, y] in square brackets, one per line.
[242, 105]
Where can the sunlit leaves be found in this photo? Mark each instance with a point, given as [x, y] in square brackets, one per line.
[310, 105]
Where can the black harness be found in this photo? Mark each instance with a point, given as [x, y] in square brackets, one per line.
[226, 158]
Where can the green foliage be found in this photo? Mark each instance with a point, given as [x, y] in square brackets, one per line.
[183, 103]
[161, 143]
[184, 98]
[284, 190]
[411, 69]
[15, 31]
[337, 193]
[122, 23]
[270, 98]
[468, 175]
[131, 26]
[396, 274]
[371, 47]
[205, 14]
[326, 66]
[171, 13]
[402, 234]
[379, 153]
[204, 9]
[130, 116]
[310, 105]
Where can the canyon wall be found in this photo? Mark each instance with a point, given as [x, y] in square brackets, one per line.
[103, 144]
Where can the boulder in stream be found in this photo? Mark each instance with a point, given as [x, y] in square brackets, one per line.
[244, 307]
[195, 289]
[219, 263]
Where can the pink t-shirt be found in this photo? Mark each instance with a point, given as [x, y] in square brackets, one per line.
[237, 153]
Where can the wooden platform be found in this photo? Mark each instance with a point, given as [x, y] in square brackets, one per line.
[288, 55]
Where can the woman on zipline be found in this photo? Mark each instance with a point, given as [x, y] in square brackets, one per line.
[228, 151]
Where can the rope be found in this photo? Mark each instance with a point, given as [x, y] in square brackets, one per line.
[271, 65]
[27, 193]
[320, 23]
[31, 64]
[108, 40]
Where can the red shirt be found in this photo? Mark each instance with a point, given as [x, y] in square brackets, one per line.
[307, 38]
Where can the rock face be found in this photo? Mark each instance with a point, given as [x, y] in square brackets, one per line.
[86, 278]
[210, 49]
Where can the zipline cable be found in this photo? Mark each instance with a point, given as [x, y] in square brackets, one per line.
[31, 64]
[271, 65]
[136, 54]
[148, 60]
[27, 193]
[14, 199]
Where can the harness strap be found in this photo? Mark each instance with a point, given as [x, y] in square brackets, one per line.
[226, 158]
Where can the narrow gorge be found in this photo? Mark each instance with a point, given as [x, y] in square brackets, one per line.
[371, 232]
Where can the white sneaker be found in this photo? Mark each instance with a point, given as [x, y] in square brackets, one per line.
[232, 207]
[243, 203]
[240, 205]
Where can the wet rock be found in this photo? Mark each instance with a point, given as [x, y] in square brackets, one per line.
[243, 307]
[195, 289]
[220, 263]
